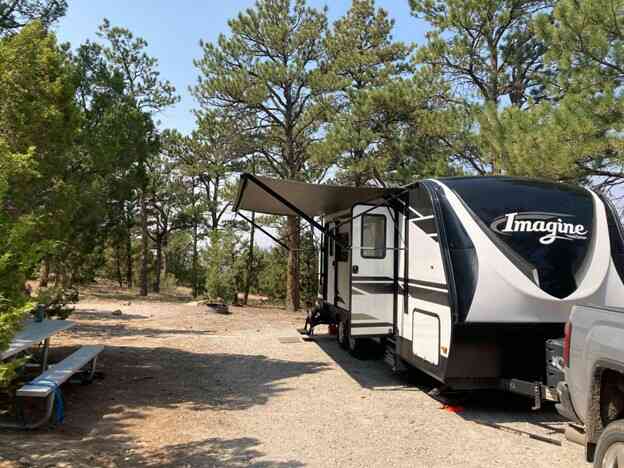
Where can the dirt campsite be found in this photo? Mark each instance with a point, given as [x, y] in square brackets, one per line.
[179, 385]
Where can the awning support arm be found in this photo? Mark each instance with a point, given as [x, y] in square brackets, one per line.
[267, 233]
[300, 213]
[285, 202]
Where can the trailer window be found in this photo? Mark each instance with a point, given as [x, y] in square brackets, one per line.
[373, 236]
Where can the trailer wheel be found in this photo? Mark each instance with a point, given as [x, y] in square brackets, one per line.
[610, 447]
[356, 346]
[342, 335]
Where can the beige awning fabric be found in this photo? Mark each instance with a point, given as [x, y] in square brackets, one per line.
[285, 197]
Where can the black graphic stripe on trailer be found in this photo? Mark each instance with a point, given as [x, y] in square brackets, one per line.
[430, 284]
[426, 224]
[374, 288]
[428, 295]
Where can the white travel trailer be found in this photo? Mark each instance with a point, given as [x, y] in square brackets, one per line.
[463, 278]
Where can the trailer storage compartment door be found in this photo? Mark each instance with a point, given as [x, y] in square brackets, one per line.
[426, 336]
[372, 271]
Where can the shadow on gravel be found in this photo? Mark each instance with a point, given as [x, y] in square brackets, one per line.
[501, 407]
[234, 453]
[95, 324]
[93, 314]
[492, 407]
[101, 331]
[160, 377]
[137, 380]
[122, 295]
[60, 450]
[368, 369]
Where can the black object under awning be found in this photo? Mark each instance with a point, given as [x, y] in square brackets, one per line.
[288, 197]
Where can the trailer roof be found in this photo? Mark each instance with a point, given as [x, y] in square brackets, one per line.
[284, 197]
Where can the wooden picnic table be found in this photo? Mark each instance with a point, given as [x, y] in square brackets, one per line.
[34, 333]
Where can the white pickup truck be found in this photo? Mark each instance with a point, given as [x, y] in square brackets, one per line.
[592, 394]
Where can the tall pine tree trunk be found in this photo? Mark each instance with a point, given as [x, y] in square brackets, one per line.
[250, 259]
[159, 262]
[165, 264]
[293, 271]
[195, 285]
[293, 293]
[45, 273]
[144, 247]
[68, 279]
[129, 263]
[59, 276]
[118, 264]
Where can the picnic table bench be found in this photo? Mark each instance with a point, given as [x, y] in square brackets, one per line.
[47, 384]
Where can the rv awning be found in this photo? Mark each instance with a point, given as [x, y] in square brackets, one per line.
[286, 197]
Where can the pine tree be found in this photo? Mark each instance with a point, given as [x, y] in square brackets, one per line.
[364, 58]
[266, 71]
[490, 52]
[586, 43]
[15, 14]
[146, 93]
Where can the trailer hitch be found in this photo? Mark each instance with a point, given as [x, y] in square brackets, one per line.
[536, 390]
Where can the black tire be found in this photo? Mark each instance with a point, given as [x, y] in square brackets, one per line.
[357, 347]
[610, 447]
[343, 334]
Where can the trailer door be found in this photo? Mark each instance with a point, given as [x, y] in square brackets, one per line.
[343, 265]
[372, 271]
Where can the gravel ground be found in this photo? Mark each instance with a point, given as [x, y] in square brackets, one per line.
[181, 386]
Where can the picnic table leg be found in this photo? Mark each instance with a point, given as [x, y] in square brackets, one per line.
[19, 410]
[92, 370]
[88, 373]
[46, 351]
[21, 422]
[46, 417]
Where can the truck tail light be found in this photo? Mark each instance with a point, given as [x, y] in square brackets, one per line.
[566, 344]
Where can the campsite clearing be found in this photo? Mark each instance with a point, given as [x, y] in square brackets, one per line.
[182, 386]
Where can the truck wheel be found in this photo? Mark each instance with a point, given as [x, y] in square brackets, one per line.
[342, 335]
[610, 447]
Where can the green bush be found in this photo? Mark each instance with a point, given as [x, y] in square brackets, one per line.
[222, 261]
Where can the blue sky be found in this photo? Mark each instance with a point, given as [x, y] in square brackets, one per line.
[173, 30]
